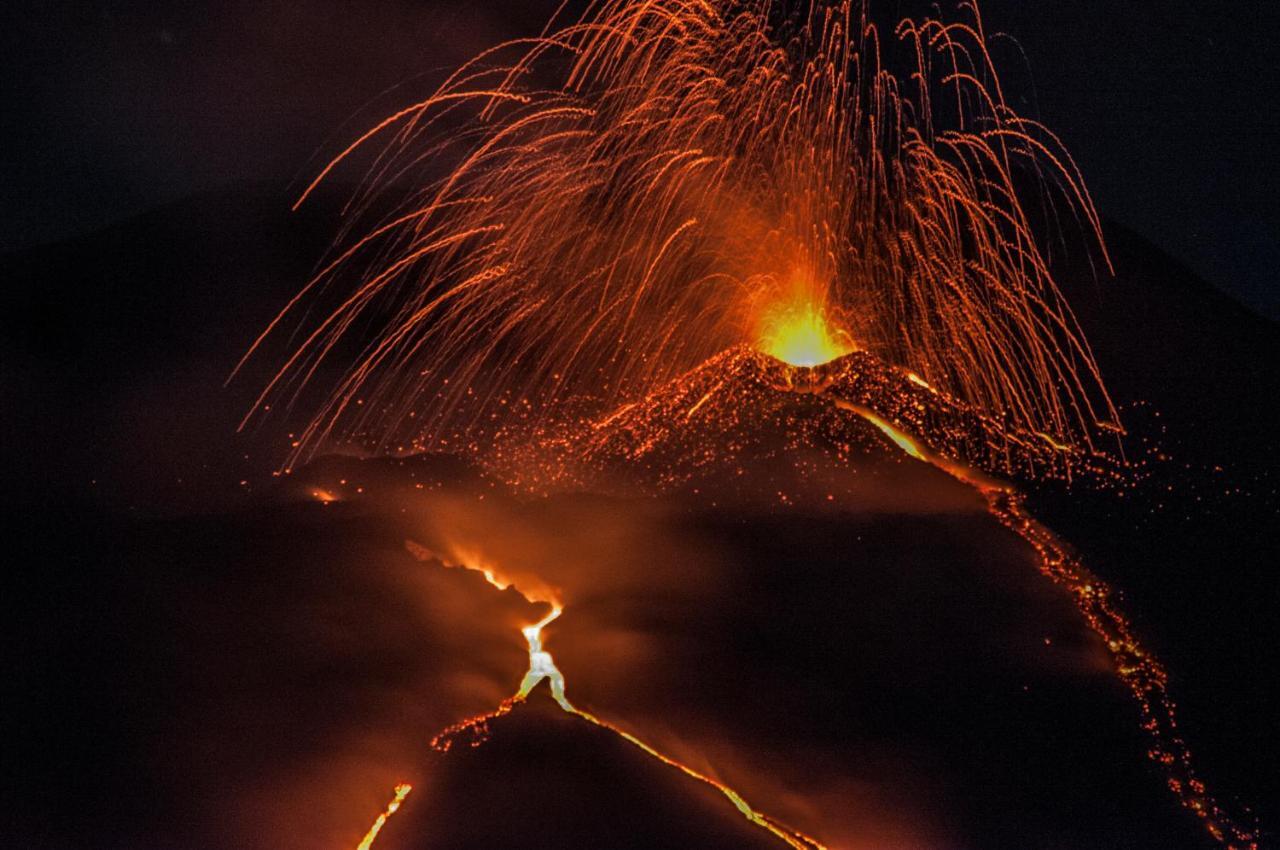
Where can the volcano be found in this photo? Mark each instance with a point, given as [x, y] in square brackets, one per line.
[763, 585]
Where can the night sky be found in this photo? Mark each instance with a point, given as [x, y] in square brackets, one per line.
[112, 108]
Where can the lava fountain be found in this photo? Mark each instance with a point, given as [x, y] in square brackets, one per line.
[598, 210]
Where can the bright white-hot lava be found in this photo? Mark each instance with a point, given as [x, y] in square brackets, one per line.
[801, 335]
[542, 665]
[401, 792]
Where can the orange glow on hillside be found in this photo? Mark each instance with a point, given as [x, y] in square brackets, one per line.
[455, 557]
[802, 336]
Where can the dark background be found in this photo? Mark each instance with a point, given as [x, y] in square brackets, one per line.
[110, 108]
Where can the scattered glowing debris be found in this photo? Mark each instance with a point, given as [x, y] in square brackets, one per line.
[768, 160]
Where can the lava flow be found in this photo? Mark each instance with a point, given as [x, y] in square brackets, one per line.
[401, 792]
[542, 666]
[1141, 672]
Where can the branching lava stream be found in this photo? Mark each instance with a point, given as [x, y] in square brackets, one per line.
[542, 666]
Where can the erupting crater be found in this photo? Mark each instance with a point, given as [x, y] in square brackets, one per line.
[801, 335]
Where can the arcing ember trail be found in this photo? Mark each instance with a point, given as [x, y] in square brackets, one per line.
[628, 254]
